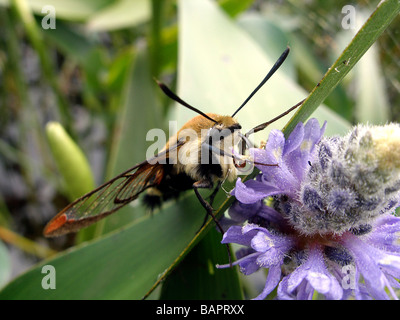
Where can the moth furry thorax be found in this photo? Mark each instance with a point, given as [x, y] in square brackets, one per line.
[197, 157]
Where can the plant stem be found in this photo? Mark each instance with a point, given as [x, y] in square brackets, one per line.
[25, 244]
[34, 35]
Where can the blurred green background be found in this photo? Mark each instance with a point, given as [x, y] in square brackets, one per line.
[94, 74]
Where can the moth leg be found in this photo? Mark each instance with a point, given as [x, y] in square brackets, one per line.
[214, 193]
[205, 184]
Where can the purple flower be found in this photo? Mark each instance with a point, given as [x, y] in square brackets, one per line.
[331, 227]
[291, 155]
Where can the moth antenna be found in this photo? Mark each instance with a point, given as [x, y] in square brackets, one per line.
[266, 124]
[174, 97]
[275, 67]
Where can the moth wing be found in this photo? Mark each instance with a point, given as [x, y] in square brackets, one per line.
[109, 197]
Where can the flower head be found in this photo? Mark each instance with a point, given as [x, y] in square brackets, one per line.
[331, 227]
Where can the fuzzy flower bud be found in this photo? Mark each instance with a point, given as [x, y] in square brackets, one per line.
[350, 182]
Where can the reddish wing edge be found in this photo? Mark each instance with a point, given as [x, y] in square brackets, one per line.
[134, 181]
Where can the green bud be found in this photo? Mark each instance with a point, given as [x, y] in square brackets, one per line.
[70, 160]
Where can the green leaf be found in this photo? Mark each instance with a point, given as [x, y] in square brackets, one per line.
[85, 51]
[155, 38]
[121, 265]
[5, 264]
[120, 14]
[35, 36]
[234, 7]
[270, 38]
[73, 10]
[70, 42]
[197, 277]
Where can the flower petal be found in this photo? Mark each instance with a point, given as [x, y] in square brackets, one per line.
[273, 278]
[271, 257]
[261, 242]
[252, 191]
[247, 261]
[295, 139]
[313, 132]
[235, 235]
[240, 212]
[297, 160]
[283, 290]
[386, 233]
[267, 157]
[367, 259]
[276, 143]
[271, 215]
[317, 274]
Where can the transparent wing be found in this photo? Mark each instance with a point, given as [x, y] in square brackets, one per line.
[109, 197]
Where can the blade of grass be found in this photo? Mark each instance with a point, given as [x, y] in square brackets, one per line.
[71, 10]
[25, 244]
[119, 14]
[5, 264]
[376, 24]
[235, 7]
[155, 45]
[35, 36]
